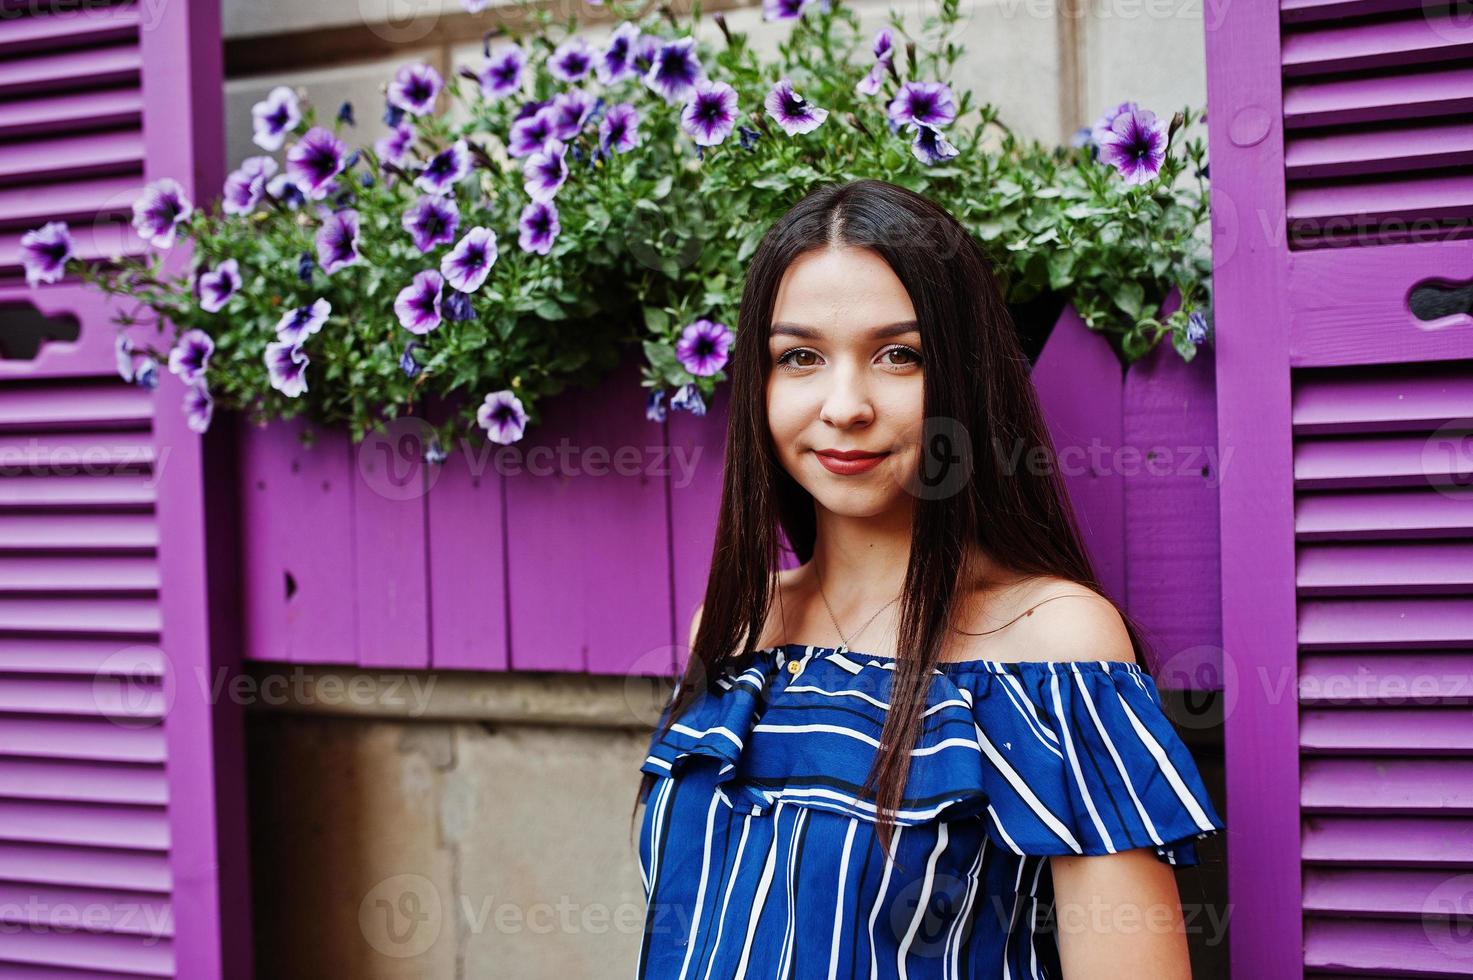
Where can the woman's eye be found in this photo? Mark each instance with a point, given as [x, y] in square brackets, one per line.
[910, 356]
[789, 359]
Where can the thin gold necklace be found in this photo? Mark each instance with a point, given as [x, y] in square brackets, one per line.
[844, 645]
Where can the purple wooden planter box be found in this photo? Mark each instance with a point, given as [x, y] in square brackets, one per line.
[585, 546]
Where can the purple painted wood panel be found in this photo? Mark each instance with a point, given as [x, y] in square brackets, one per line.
[466, 539]
[588, 540]
[697, 468]
[389, 560]
[1080, 382]
[1171, 471]
[299, 590]
[1256, 499]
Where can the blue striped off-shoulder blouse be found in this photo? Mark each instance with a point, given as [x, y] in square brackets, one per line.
[760, 859]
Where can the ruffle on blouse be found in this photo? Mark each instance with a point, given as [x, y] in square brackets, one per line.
[1058, 758]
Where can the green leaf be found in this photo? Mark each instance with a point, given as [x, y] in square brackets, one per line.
[1129, 296]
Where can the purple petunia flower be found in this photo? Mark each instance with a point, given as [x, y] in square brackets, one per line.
[44, 252]
[337, 241]
[870, 84]
[432, 221]
[158, 214]
[246, 185]
[884, 44]
[445, 169]
[539, 227]
[502, 416]
[711, 114]
[502, 73]
[545, 171]
[274, 117]
[123, 352]
[1135, 145]
[457, 306]
[191, 355]
[147, 375]
[1102, 125]
[407, 363]
[314, 160]
[286, 366]
[646, 47]
[792, 112]
[415, 88]
[570, 110]
[703, 346]
[295, 326]
[530, 133]
[930, 147]
[688, 397]
[217, 286]
[616, 61]
[654, 406]
[619, 130]
[418, 304]
[1196, 327]
[394, 147]
[783, 9]
[475, 6]
[466, 265]
[674, 70]
[197, 406]
[284, 188]
[572, 60]
[929, 103]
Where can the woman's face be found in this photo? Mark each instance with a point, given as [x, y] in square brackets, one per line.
[845, 355]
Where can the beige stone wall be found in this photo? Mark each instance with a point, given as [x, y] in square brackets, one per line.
[440, 826]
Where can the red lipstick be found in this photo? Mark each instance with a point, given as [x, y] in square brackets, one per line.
[848, 462]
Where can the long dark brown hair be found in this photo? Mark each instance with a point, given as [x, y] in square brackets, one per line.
[976, 376]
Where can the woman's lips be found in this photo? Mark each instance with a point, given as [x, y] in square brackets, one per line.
[854, 463]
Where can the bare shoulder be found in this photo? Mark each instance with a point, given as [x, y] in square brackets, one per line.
[1055, 619]
[787, 581]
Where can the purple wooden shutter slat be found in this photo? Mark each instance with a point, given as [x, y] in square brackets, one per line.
[1383, 948]
[81, 655]
[1441, 842]
[1334, 47]
[71, 201]
[1427, 566]
[39, 116]
[124, 955]
[124, 913]
[84, 782]
[1359, 678]
[87, 156]
[98, 740]
[1440, 144]
[1410, 623]
[1348, 101]
[71, 70]
[1381, 403]
[1412, 199]
[138, 829]
[78, 532]
[91, 867]
[1361, 785]
[1382, 515]
[1396, 731]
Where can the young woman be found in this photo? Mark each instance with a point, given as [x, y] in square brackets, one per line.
[930, 750]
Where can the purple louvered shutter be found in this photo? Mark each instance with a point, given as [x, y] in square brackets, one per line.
[121, 806]
[1343, 225]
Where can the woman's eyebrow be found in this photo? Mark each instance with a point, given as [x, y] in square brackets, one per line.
[878, 333]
